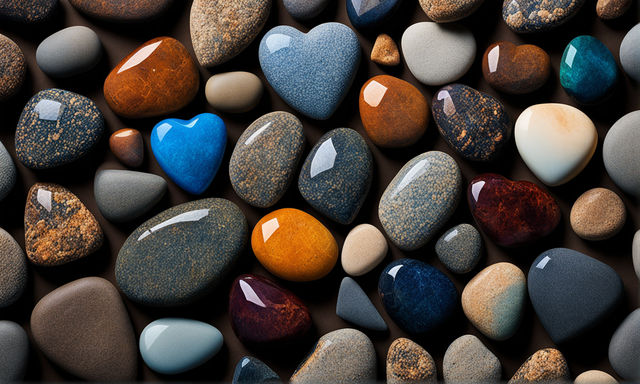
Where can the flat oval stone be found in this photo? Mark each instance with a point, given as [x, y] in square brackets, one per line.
[444, 11]
[598, 214]
[636, 253]
[14, 352]
[83, 327]
[127, 145]
[363, 249]
[459, 249]
[467, 360]
[156, 264]
[251, 370]
[13, 68]
[515, 69]
[354, 306]
[265, 158]
[58, 228]
[408, 362]
[57, 127]
[171, 345]
[572, 293]
[28, 11]
[294, 245]
[305, 9]
[512, 213]
[157, 78]
[529, 16]
[8, 173]
[620, 153]
[69, 52]
[545, 366]
[336, 176]
[612, 9]
[420, 199]
[261, 312]
[624, 348]
[234, 92]
[394, 113]
[13, 274]
[629, 55]
[595, 377]
[122, 11]
[474, 124]
[366, 14]
[385, 51]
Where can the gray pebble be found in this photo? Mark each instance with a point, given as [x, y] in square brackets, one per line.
[630, 54]
[624, 349]
[13, 274]
[69, 52]
[636, 253]
[14, 351]
[467, 360]
[7, 172]
[459, 249]
[620, 153]
[305, 9]
[354, 306]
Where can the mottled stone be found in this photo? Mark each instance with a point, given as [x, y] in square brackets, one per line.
[127, 145]
[545, 366]
[28, 11]
[69, 52]
[629, 54]
[363, 249]
[8, 173]
[251, 370]
[445, 11]
[624, 348]
[368, 14]
[612, 9]
[598, 214]
[467, 360]
[529, 16]
[13, 68]
[234, 92]
[305, 9]
[595, 377]
[408, 362]
[13, 274]
[515, 69]
[385, 51]
[14, 352]
[122, 11]
[459, 249]
[636, 252]
[620, 153]
[354, 306]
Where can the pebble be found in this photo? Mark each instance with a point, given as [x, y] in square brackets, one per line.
[515, 69]
[624, 348]
[385, 51]
[459, 249]
[354, 306]
[83, 327]
[58, 228]
[190, 151]
[14, 352]
[28, 11]
[612, 9]
[595, 377]
[172, 345]
[474, 124]
[265, 158]
[127, 145]
[13, 274]
[8, 173]
[408, 362]
[529, 16]
[336, 176]
[13, 68]
[556, 141]
[438, 54]
[294, 245]
[126, 195]
[69, 52]
[250, 370]
[234, 92]
[545, 366]
[394, 113]
[363, 249]
[598, 214]
[156, 264]
[467, 360]
[420, 199]
[568, 304]
[311, 72]
[620, 153]
[122, 11]
[636, 253]
[342, 356]
[445, 11]
[56, 128]
[629, 55]
[221, 29]
[368, 14]
[305, 9]
[417, 296]
[157, 78]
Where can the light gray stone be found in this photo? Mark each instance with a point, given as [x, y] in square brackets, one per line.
[13, 270]
[624, 348]
[69, 52]
[467, 360]
[630, 54]
[459, 249]
[355, 306]
[620, 153]
[636, 253]
[7, 172]
[14, 351]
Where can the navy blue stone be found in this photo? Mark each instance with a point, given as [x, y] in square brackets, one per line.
[370, 13]
[250, 370]
[528, 16]
[355, 307]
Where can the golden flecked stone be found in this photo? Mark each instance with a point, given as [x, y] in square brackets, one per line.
[598, 214]
[385, 51]
[408, 362]
[546, 365]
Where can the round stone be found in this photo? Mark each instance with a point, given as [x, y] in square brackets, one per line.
[467, 360]
[14, 352]
[529, 16]
[515, 69]
[408, 362]
[305, 9]
[13, 274]
[127, 145]
[636, 253]
[620, 153]
[595, 377]
[8, 173]
[13, 68]
[629, 54]
[612, 9]
[69, 52]
[545, 366]
[445, 11]
[28, 11]
[624, 348]
[598, 214]
[122, 11]
[250, 370]
[234, 92]
[459, 249]
[363, 249]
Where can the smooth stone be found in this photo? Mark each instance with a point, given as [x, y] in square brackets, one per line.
[367, 14]
[127, 145]
[221, 29]
[126, 195]
[438, 54]
[612, 9]
[417, 296]
[8, 173]
[598, 214]
[385, 51]
[157, 78]
[354, 306]
[445, 11]
[556, 141]
[58, 228]
[572, 293]
[69, 52]
[265, 158]
[83, 327]
[363, 249]
[294, 245]
[156, 264]
[336, 176]
[588, 71]
[343, 356]
[629, 54]
[475, 124]
[394, 113]
[620, 153]
[28, 11]
[459, 249]
[467, 360]
[408, 362]
[636, 253]
[14, 352]
[311, 72]
[529, 16]
[190, 151]
[545, 366]
[172, 345]
[250, 370]
[122, 11]
[595, 377]
[624, 348]
[420, 199]
[57, 127]
[305, 9]
[234, 92]
[512, 213]
[13, 274]
[515, 69]
[261, 312]
[494, 300]
[13, 68]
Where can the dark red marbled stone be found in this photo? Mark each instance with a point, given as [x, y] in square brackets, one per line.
[512, 213]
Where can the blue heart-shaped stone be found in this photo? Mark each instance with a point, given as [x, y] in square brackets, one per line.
[312, 72]
[190, 151]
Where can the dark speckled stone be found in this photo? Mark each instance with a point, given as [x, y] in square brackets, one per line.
[122, 10]
[250, 370]
[408, 362]
[13, 274]
[181, 253]
[13, 67]
[545, 366]
[336, 176]
[27, 11]
[459, 249]
[265, 158]
[527, 16]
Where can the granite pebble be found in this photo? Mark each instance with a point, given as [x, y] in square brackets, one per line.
[69, 52]
[408, 362]
[363, 249]
[28, 11]
[123, 11]
[515, 69]
[251, 370]
[467, 360]
[620, 153]
[629, 55]
[545, 366]
[598, 214]
[445, 11]
[8, 173]
[305, 9]
[234, 92]
[385, 51]
[14, 352]
[13, 274]
[612, 9]
[624, 348]
[460, 248]
[531, 16]
[369, 14]
[13, 68]
[127, 145]
[354, 306]
[595, 377]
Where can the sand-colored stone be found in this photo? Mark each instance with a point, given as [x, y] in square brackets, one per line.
[598, 214]
[385, 51]
[546, 365]
[234, 92]
[595, 377]
[363, 249]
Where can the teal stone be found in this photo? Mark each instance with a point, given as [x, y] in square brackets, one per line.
[588, 71]
[250, 370]
[172, 346]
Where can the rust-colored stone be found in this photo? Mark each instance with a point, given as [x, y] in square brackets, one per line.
[515, 69]
[126, 144]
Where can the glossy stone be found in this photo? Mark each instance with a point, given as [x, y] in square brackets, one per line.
[336, 176]
[595, 377]
[305, 9]
[13, 68]
[512, 213]
[127, 145]
[58, 228]
[624, 348]
[385, 51]
[459, 249]
[474, 124]
[629, 55]
[620, 153]
[394, 113]
[408, 362]
[297, 66]
[14, 352]
[250, 370]
[190, 151]
[157, 78]
[156, 264]
[265, 158]
[365, 14]
[363, 249]
[234, 92]
[515, 69]
[445, 11]
[13, 274]
[545, 366]
[294, 245]
[467, 360]
[122, 11]
[612, 9]
[529, 16]
[69, 52]
[354, 306]
[598, 214]
[28, 11]
[261, 312]
[420, 199]
[635, 247]
[8, 173]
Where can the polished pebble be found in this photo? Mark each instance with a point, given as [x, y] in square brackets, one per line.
[636, 253]
[629, 54]
[8, 173]
[305, 9]
[515, 69]
[368, 14]
[459, 249]
[620, 153]
[385, 51]
[467, 360]
[127, 145]
[123, 11]
[28, 11]
[598, 214]
[69, 52]
[530, 16]
[612, 9]
[13, 68]
[445, 11]
[363, 249]
[624, 348]
[234, 92]
[408, 362]
[595, 377]
[250, 370]
[14, 352]
[354, 306]
[13, 274]
[545, 366]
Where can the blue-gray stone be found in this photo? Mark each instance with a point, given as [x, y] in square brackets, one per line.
[620, 153]
[630, 54]
[14, 351]
[250, 370]
[366, 14]
[528, 16]
[305, 9]
[624, 348]
[459, 249]
[13, 273]
[69, 52]
[355, 307]
[7, 172]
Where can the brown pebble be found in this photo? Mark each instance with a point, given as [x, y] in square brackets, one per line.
[12, 68]
[598, 214]
[612, 9]
[546, 365]
[126, 144]
[385, 51]
[408, 362]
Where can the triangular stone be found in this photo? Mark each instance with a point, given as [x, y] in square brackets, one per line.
[355, 307]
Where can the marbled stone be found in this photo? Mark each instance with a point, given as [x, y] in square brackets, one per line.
[624, 348]
[528, 16]
[13, 68]
[354, 306]
[14, 352]
[635, 247]
[459, 249]
[28, 11]
[629, 54]
[515, 69]
[234, 92]
[127, 145]
[595, 377]
[363, 249]
[8, 173]
[368, 14]
[250, 370]
[545, 366]
[620, 153]
[13, 274]
[598, 214]
[408, 362]
[69, 52]
[385, 51]
[467, 360]
[612, 9]
[305, 9]
[445, 11]
[122, 11]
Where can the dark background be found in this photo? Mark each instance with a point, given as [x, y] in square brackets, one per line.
[487, 26]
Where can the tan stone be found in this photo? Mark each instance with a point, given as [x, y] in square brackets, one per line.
[234, 92]
[364, 248]
[598, 214]
[595, 377]
[385, 51]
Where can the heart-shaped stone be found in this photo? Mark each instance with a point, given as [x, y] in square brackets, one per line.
[190, 151]
[365, 14]
[515, 69]
[312, 72]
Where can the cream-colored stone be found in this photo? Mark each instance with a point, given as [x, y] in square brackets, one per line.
[234, 92]
[595, 377]
[364, 248]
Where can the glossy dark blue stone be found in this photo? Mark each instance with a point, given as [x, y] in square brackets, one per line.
[370, 13]
[250, 370]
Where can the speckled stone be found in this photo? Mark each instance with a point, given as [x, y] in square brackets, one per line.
[629, 55]
[354, 306]
[636, 252]
[127, 145]
[545, 366]
[467, 360]
[122, 11]
[305, 9]
[251, 370]
[69, 52]
[58, 228]
[368, 14]
[13, 274]
[595, 377]
[612, 9]
[420, 199]
[13, 68]
[14, 352]
[459, 249]
[408, 362]
[57, 127]
[624, 348]
[445, 11]
[156, 264]
[620, 153]
[8, 174]
[385, 51]
[28, 11]
[234, 92]
[528, 16]
[265, 158]
[598, 214]
[363, 249]
[515, 69]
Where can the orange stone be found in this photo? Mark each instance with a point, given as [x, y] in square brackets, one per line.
[128, 147]
[294, 245]
[394, 113]
[156, 79]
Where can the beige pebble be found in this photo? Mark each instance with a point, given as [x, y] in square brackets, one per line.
[364, 248]
[612, 9]
[234, 92]
[595, 377]
[598, 214]
[385, 51]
